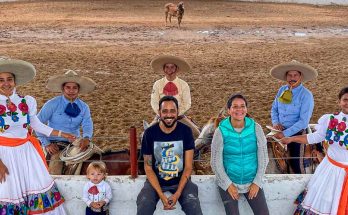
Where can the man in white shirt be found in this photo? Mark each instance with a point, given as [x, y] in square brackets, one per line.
[171, 85]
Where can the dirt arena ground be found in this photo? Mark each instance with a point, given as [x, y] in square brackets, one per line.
[230, 45]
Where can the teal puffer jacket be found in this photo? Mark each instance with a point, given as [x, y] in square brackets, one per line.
[240, 151]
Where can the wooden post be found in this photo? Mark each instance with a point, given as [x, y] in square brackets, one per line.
[133, 152]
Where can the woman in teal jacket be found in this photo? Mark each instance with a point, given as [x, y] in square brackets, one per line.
[239, 158]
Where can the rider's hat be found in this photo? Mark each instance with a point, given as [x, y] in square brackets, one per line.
[308, 73]
[55, 83]
[159, 61]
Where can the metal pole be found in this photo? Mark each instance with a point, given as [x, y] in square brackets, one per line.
[133, 152]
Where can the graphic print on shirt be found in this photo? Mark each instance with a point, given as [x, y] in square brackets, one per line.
[169, 158]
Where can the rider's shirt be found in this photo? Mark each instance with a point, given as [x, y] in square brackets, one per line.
[53, 114]
[296, 115]
[168, 151]
[177, 88]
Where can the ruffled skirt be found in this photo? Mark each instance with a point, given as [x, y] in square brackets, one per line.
[323, 190]
[28, 189]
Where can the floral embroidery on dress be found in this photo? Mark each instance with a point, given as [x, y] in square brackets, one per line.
[336, 130]
[23, 107]
[3, 113]
[25, 110]
[27, 125]
[34, 203]
[10, 110]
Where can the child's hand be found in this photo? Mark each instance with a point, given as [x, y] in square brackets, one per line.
[98, 205]
[102, 203]
[95, 205]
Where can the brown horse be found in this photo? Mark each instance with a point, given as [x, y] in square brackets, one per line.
[310, 155]
[171, 9]
[117, 163]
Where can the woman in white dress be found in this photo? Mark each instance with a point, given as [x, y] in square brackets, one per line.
[25, 184]
[327, 191]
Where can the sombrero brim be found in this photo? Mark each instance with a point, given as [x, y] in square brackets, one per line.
[22, 70]
[55, 83]
[308, 72]
[158, 62]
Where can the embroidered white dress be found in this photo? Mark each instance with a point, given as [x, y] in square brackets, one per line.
[28, 189]
[325, 186]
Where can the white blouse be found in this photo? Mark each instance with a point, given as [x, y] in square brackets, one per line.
[334, 129]
[18, 117]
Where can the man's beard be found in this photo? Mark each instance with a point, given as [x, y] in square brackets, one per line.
[170, 125]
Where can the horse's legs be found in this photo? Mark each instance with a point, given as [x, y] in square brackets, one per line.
[170, 18]
[179, 20]
[166, 17]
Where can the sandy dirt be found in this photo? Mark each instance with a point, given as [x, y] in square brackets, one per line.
[230, 45]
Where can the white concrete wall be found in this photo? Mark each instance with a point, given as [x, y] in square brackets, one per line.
[314, 2]
[280, 191]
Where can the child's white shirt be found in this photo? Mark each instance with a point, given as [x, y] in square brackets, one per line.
[96, 192]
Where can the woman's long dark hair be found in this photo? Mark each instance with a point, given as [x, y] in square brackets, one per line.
[342, 92]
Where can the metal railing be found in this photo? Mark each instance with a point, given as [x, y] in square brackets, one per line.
[133, 151]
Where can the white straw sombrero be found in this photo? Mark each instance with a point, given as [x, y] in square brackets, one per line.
[55, 83]
[158, 62]
[308, 72]
[22, 70]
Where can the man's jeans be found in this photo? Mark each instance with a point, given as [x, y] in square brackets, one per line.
[148, 198]
[295, 152]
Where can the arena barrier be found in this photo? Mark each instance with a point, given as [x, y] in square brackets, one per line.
[280, 191]
[313, 2]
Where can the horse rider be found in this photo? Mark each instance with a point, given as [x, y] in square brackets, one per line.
[66, 113]
[172, 85]
[293, 105]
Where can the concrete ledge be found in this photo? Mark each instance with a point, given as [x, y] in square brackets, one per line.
[280, 191]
